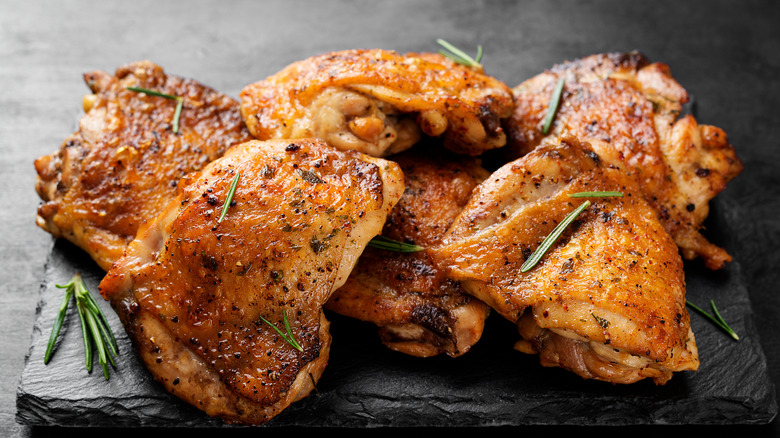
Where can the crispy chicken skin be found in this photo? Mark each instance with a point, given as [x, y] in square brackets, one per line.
[122, 166]
[192, 291]
[632, 107]
[419, 310]
[380, 102]
[608, 299]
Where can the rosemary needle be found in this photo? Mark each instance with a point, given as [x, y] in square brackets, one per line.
[229, 199]
[460, 56]
[717, 319]
[552, 107]
[603, 194]
[381, 242]
[179, 103]
[287, 337]
[55, 331]
[548, 241]
[95, 331]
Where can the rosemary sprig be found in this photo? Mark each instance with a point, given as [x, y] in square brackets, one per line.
[382, 242]
[550, 240]
[95, 329]
[717, 319]
[603, 194]
[552, 107]
[229, 199]
[460, 56]
[179, 103]
[289, 335]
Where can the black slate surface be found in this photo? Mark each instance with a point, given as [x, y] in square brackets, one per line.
[722, 51]
[366, 385]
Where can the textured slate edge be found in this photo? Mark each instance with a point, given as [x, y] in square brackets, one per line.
[366, 385]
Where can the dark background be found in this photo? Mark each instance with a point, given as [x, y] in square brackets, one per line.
[725, 53]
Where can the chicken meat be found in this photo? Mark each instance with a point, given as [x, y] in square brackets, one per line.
[122, 166]
[608, 300]
[631, 108]
[420, 311]
[202, 294]
[380, 102]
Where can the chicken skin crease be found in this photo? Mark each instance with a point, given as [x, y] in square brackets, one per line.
[198, 295]
[633, 107]
[608, 300]
[419, 310]
[122, 166]
[380, 102]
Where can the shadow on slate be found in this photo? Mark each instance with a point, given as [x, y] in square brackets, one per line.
[367, 385]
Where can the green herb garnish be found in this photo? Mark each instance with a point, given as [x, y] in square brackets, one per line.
[179, 103]
[594, 194]
[601, 321]
[717, 319]
[382, 242]
[460, 56]
[552, 107]
[229, 198]
[548, 242]
[310, 176]
[287, 337]
[95, 329]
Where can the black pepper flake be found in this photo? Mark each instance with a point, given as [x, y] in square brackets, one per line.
[526, 251]
[292, 147]
[703, 172]
[208, 261]
[595, 157]
[176, 381]
[690, 207]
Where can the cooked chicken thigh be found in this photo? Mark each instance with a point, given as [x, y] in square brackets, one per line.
[122, 166]
[198, 293]
[608, 300]
[419, 310]
[380, 102]
[632, 107]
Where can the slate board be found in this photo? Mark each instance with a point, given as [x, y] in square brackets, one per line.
[367, 385]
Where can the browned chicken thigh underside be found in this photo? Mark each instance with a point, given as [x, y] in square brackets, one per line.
[631, 108]
[199, 295]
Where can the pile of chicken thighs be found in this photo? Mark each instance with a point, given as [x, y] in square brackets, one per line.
[337, 149]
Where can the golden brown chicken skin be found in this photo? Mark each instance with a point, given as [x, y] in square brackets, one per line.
[380, 102]
[420, 311]
[122, 166]
[608, 300]
[632, 108]
[198, 296]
